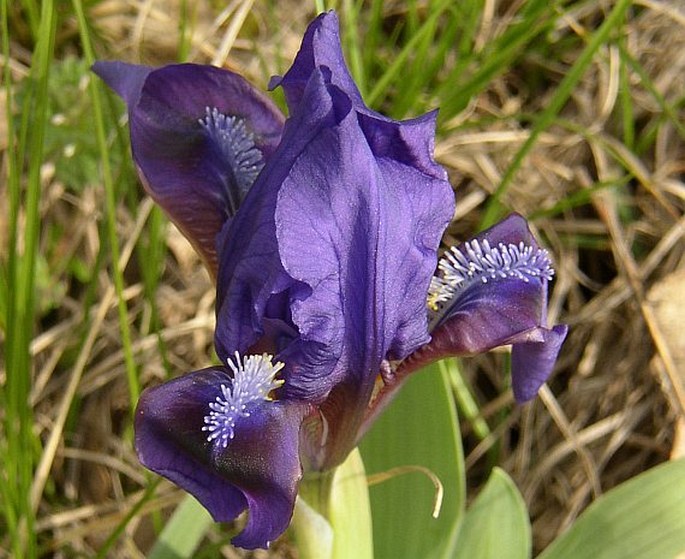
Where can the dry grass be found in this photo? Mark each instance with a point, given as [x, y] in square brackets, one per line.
[611, 409]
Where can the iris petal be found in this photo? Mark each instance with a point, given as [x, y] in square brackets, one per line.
[370, 222]
[492, 309]
[252, 283]
[372, 226]
[532, 362]
[488, 315]
[259, 469]
[180, 150]
[320, 50]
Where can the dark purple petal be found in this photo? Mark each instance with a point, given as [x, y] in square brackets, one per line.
[532, 361]
[339, 234]
[334, 246]
[258, 470]
[486, 316]
[125, 79]
[409, 142]
[320, 50]
[198, 173]
[252, 284]
[371, 228]
[487, 311]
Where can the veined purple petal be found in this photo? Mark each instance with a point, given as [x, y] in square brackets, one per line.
[199, 136]
[492, 291]
[532, 361]
[340, 233]
[252, 284]
[258, 469]
[125, 79]
[320, 50]
[485, 316]
[409, 142]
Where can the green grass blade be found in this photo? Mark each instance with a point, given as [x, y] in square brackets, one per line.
[468, 407]
[640, 519]
[353, 43]
[418, 429]
[495, 209]
[19, 444]
[645, 80]
[183, 532]
[496, 525]
[399, 63]
[454, 95]
[110, 202]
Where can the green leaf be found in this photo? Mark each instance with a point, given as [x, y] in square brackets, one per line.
[332, 518]
[418, 429]
[184, 531]
[641, 518]
[312, 531]
[350, 511]
[496, 526]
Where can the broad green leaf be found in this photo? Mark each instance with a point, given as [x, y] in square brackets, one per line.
[184, 531]
[642, 518]
[418, 429]
[496, 526]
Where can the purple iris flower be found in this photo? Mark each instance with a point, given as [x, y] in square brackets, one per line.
[322, 232]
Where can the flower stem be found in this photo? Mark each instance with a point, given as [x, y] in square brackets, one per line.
[332, 518]
[311, 523]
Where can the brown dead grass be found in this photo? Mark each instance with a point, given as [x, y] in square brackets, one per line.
[609, 412]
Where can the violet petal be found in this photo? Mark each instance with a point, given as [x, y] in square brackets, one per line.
[321, 50]
[252, 283]
[259, 469]
[198, 172]
[532, 361]
[489, 309]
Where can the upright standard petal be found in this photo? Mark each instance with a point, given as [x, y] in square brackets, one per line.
[200, 136]
[492, 291]
[339, 235]
[253, 288]
[320, 49]
[231, 450]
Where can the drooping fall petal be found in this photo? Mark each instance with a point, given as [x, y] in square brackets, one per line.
[199, 136]
[258, 468]
[492, 291]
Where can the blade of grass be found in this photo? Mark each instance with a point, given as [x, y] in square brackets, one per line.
[494, 209]
[116, 533]
[665, 107]
[8, 489]
[398, 65]
[579, 198]
[371, 40]
[468, 407]
[33, 16]
[110, 203]
[153, 252]
[536, 18]
[183, 532]
[19, 458]
[353, 43]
